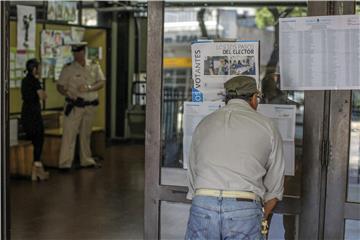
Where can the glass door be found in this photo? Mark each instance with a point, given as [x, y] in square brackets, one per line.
[182, 25]
[342, 214]
[326, 179]
[342, 204]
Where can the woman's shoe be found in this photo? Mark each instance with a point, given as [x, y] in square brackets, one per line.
[38, 172]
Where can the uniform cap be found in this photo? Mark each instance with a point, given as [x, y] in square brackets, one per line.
[241, 86]
[76, 47]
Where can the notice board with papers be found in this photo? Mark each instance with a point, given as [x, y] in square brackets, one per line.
[320, 53]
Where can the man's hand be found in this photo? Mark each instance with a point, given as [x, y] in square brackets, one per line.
[84, 88]
[269, 206]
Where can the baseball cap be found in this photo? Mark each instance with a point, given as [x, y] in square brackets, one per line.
[76, 47]
[240, 86]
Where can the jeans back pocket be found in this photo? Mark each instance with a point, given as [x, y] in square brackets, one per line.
[198, 224]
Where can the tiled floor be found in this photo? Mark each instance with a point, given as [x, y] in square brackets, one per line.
[104, 203]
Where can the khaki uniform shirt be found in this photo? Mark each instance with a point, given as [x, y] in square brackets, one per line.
[74, 75]
[237, 149]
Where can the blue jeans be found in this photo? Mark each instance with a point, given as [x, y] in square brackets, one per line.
[224, 218]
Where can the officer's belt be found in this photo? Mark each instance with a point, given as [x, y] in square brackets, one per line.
[226, 194]
[78, 102]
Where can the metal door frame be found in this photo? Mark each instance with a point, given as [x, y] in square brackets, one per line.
[4, 133]
[327, 118]
[154, 191]
[316, 126]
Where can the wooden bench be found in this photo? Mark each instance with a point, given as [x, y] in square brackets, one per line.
[52, 145]
[21, 158]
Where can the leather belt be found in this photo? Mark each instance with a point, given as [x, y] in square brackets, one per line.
[227, 194]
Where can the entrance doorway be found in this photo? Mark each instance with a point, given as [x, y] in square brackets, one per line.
[106, 197]
[305, 212]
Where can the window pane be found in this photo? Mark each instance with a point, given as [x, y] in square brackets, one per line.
[353, 188]
[89, 17]
[283, 226]
[173, 219]
[66, 11]
[353, 191]
[352, 229]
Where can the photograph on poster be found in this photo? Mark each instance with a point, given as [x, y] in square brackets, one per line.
[216, 65]
[242, 65]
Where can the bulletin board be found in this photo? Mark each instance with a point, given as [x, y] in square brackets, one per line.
[95, 37]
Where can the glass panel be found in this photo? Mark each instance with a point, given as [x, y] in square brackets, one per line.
[283, 227]
[353, 189]
[182, 27]
[352, 229]
[173, 219]
[89, 17]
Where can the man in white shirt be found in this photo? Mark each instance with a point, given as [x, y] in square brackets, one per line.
[236, 164]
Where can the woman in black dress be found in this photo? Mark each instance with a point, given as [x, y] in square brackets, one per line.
[32, 121]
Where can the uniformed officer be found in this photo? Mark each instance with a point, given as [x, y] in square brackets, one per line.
[79, 83]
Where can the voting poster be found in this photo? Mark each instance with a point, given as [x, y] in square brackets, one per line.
[213, 63]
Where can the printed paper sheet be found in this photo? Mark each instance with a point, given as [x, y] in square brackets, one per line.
[284, 118]
[320, 53]
[194, 112]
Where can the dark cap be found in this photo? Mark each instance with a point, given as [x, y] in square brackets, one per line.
[77, 47]
[31, 64]
[240, 86]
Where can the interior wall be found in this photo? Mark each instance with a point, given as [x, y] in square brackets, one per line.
[95, 38]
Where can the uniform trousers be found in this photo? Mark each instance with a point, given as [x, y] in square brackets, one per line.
[79, 121]
[224, 218]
